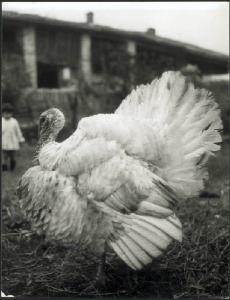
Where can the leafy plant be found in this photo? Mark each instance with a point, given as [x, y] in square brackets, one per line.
[14, 77]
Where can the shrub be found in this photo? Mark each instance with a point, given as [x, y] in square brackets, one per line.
[14, 78]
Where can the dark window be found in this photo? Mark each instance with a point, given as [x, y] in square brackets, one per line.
[151, 62]
[48, 75]
[108, 55]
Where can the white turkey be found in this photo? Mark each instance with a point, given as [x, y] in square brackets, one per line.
[116, 180]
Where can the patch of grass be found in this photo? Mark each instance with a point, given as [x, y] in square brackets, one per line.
[197, 267]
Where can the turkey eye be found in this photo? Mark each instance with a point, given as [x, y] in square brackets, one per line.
[42, 120]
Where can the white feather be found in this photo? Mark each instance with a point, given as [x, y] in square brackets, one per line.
[119, 176]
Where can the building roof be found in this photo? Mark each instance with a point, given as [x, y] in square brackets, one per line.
[141, 36]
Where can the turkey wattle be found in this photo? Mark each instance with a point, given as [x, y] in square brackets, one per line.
[116, 180]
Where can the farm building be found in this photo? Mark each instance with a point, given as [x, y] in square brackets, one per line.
[58, 55]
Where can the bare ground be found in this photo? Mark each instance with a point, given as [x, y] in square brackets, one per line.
[197, 267]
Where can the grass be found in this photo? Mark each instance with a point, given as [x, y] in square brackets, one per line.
[197, 267]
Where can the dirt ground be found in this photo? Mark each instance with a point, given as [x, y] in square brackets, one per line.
[197, 267]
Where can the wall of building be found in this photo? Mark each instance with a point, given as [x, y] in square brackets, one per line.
[92, 54]
[103, 69]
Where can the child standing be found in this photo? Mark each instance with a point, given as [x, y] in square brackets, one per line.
[11, 137]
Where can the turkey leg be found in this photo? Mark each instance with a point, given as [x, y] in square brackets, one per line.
[100, 278]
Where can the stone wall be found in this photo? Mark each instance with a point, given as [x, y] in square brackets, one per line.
[75, 103]
[34, 101]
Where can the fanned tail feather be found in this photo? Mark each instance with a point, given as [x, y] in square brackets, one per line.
[188, 123]
[145, 238]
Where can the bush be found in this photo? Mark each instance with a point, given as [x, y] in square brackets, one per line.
[14, 78]
[220, 92]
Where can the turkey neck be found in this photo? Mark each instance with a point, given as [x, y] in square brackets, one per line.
[44, 139]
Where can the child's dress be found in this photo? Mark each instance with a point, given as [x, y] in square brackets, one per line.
[11, 137]
[11, 134]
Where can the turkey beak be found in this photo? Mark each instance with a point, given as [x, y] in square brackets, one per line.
[40, 125]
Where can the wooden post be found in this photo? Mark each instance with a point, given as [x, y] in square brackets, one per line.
[131, 50]
[85, 57]
[29, 53]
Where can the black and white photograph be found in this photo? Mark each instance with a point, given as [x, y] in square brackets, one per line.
[115, 150]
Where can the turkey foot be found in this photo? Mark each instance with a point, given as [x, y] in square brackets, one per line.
[100, 279]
